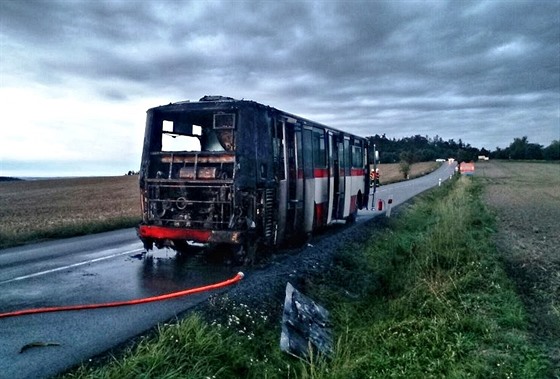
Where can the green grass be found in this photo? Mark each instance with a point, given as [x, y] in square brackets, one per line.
[425, 297]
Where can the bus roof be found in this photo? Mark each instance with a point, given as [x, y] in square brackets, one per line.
[210, 102]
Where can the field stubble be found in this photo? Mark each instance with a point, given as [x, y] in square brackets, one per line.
[526, 200]
[390, 172]
[51, 208]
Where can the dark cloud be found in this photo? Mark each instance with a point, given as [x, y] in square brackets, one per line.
[482, 71]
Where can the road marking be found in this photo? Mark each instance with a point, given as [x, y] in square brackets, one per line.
[71, 266]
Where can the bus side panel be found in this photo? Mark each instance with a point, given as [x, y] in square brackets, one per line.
[309, 205]
[350, 195]
[321, 197]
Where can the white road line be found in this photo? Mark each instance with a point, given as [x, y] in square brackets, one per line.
[71, 266]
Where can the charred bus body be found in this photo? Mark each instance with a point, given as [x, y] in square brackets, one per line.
[244, 174]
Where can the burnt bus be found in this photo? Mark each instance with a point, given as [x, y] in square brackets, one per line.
[236, 172]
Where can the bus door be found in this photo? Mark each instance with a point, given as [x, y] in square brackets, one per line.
[345, 208]
[308, 180]
[280, 152]
[294, 168]
[339, 164]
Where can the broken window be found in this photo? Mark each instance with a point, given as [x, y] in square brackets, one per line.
[200, 131]
[176, 138]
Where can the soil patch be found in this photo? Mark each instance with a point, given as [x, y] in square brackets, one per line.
[526, 200]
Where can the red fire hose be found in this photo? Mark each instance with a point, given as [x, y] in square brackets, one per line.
[168, 296]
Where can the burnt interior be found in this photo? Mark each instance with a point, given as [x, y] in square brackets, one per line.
[190, 175]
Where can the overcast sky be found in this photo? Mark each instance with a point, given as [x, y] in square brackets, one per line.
[76, 77]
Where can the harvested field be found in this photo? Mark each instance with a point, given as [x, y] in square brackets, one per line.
[389, 172]
[34, 210]
[526, 200]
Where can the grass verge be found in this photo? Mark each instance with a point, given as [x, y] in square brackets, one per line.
[427, 297]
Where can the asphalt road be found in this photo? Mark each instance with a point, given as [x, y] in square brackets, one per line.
[403, 191]
[107, 267]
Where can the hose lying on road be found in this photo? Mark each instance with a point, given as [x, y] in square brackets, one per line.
[168, 296]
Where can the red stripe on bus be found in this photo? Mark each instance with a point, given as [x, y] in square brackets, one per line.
[321, 173]
[353, 172]
[357, 172]
[324, 172]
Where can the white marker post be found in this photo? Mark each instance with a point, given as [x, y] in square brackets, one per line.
[389, 206]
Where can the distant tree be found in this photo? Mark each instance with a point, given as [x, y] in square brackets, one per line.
[500, 153]
[404, 168]
[419, 149]
[425, 155]
[534, 151]
[518, 148]
[407, 156]
[388, 157]
[552, 152]
[463, 156]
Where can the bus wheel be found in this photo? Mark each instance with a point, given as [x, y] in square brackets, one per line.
[183, 248]
[352, 218]
[244, 254]
[148, 244]
[360, 200]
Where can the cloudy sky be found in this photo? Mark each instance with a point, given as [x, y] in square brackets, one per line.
[76, 77]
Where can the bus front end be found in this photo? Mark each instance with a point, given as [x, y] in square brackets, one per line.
[188, 175]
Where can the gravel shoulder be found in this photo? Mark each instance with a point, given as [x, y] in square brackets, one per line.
[526, 200]
[263, 288]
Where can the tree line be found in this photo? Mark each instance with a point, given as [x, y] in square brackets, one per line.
[423, 149]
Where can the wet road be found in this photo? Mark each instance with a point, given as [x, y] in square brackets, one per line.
[102, 268]
[91, 269]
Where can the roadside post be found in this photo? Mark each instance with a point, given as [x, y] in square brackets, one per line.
[389, 206]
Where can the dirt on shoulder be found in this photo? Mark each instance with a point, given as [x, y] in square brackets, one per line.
[526, 200]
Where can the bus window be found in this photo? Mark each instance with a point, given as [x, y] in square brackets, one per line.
[348, 156]
[307, 153]
[173, 138]
[278, 149]
[357, 157]
[199, 132]
[319, 157]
